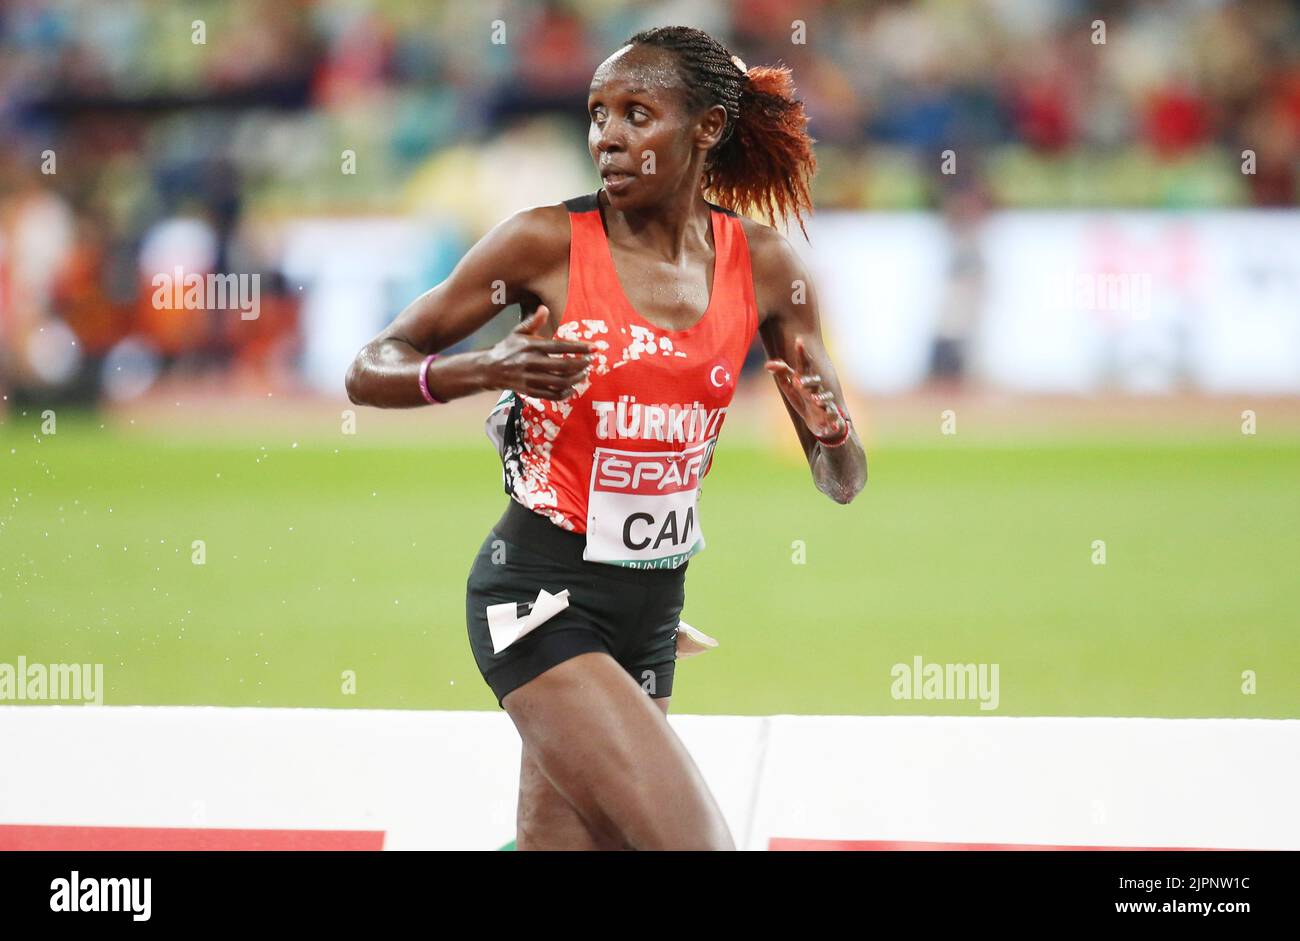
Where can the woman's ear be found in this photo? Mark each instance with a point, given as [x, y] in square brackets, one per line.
[712, 127]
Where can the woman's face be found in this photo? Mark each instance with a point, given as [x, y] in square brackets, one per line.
[643, 139]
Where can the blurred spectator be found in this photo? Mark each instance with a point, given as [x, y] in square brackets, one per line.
[964, 209]
[202, 127]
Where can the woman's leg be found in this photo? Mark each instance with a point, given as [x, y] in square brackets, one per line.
[547, 821]
[606, 748]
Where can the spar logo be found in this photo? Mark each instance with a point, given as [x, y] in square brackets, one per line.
[652, 473]
[641, 510]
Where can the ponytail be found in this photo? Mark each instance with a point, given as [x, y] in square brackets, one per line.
[764, 162]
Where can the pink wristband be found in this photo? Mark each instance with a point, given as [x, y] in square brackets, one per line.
[840, 438]
[424, 381]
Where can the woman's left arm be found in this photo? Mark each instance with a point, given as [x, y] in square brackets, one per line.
[791, 331]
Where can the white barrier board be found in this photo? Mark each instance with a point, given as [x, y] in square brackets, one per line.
[316, 778]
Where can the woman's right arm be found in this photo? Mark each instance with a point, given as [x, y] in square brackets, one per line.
[501, 269]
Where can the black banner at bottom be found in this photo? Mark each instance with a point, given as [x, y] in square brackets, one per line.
[369, 890]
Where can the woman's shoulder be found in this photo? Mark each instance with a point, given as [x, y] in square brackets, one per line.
[539, 223]
[551, 218]
[774, 265]
[771, 254]
[537, 237]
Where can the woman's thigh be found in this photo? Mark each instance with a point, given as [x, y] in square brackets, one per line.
[607, 749]
[547, 821]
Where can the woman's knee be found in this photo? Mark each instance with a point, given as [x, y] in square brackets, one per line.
[609, 750]
[546, 820]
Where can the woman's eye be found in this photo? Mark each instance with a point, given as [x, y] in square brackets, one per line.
[636, 116]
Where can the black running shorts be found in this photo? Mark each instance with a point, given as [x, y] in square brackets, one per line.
[630, 614]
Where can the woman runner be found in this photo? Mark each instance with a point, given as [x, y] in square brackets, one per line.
[639, 304]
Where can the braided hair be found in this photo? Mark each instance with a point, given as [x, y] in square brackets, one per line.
[764, 161]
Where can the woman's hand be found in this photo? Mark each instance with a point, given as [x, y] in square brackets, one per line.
[804, 391]
[533, 365]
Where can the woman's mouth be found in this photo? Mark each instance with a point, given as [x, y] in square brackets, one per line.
[616, 181]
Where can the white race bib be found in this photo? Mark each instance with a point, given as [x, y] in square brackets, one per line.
[643, 506]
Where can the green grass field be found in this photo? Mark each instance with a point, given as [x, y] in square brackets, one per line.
[342, 554]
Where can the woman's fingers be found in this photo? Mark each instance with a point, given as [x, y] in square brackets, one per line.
[794, 386]
[564, 367]
[534, 321]
[801, 356]
[781, 369]
[575, 347]
[812, 384]
[807, 386]
[801, 378]
[810, 381]
[541, 380]
[544, 382]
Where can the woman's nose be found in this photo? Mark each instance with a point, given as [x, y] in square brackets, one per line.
[609, 139]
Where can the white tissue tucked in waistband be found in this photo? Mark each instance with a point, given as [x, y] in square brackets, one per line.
[507, 627]
[691, 641]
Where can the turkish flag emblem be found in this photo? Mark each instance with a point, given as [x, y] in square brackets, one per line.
[720, 375]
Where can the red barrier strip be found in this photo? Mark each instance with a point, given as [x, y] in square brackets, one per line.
[14, 837]
[794, 843]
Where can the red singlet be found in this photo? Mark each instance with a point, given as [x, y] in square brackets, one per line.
[621, 459]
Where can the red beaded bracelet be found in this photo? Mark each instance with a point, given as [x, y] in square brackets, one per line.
[424, 381]
[840, 438]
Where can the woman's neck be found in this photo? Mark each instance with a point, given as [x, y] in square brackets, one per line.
[668, 230]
